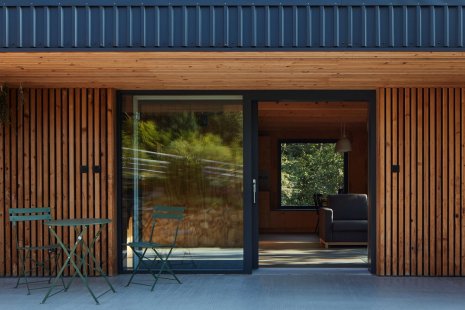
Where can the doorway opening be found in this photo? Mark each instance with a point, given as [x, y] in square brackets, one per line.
[313, 205]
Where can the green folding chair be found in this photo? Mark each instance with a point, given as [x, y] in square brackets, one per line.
[154, 256]
[28, 257]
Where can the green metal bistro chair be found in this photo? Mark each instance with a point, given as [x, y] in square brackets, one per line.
[28, 257]
[155, 256]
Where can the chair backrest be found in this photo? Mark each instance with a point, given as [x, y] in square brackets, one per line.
[349, 206]
[168, 212]
[171, 213]
[27, 215]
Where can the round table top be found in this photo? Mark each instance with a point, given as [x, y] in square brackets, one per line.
[78, 222]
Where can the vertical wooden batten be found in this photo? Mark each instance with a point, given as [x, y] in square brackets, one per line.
[394, 159]
[108, 191]
[2, 201]
[381, 183]
[462, 180]
[420, 218]
[52, 133]
[14, 175]
[387, 166]
[400, 193]
[111, 179]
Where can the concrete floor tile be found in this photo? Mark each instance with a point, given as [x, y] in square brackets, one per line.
[267, 288]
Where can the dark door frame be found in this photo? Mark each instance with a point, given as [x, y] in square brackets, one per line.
[251, 220]
[250, 147]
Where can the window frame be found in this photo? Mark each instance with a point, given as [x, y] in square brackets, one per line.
[208, 265]
[279, 192]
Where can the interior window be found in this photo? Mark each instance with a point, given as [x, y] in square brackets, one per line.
[308, 169]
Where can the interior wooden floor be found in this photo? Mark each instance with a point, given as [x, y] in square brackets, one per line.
[304, 250]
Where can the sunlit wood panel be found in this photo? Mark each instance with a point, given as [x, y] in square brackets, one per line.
[233, 70]
[420, 211]
[51, 134]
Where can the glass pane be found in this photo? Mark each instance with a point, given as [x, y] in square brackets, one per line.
[308, 169]
[184, 151]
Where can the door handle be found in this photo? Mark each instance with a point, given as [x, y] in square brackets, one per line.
[254, 188]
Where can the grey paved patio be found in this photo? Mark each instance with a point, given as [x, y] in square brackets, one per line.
[267, 288]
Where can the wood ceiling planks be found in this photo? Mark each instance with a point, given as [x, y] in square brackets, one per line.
[243, 70]
[303, 116]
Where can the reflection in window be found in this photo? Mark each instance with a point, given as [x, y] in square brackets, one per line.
[185, 151]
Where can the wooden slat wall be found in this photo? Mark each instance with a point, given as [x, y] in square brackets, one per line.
[51, 134]
[420, 210]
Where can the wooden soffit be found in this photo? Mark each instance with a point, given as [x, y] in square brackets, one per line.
[280, 115]
[286, 70]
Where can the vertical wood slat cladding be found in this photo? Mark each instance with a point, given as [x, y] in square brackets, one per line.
[51, 134]
[420, 209]
[380, 177]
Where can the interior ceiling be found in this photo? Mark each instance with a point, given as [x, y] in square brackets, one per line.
[300, 115]
[244, 70]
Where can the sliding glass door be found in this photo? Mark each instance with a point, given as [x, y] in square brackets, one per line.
[184, 151]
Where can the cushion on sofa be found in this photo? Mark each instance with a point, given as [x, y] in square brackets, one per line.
[352, 225]
[349, 206]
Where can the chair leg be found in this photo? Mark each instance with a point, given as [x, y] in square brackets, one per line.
[140, 258]
[56, 262]
[155, 282]
[17, 282]
[21, 269]
[165, 265]
[23, 272]
[27, 285]
[171, 272]
[156, 274]
[26, 258]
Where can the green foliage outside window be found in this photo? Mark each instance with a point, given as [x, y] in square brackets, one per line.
[307, 169]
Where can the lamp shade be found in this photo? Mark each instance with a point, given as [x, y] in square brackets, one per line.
[343, 145]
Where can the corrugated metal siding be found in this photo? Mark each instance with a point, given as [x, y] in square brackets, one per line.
[231, 26]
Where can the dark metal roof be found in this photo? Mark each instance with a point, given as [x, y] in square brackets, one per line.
[262, 25]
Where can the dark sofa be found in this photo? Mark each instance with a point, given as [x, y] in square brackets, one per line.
[344, 220]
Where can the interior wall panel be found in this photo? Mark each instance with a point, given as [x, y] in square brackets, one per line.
[420, 208]
[51, 134]
[271, 132]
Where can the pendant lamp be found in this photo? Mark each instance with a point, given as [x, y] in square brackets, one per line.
[343, 144]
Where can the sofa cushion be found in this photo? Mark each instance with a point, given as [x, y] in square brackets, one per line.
[349, 206]
[352, 225]
[350, 236]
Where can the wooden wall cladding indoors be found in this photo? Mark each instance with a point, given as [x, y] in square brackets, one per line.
[420, 209]
[52, 133]
[306, 121]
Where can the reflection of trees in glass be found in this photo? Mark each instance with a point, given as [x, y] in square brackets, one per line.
[307, 169]
[192, 159]
[189, 156]
[228, 126]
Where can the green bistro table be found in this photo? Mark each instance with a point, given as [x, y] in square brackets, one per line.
[81, 227]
